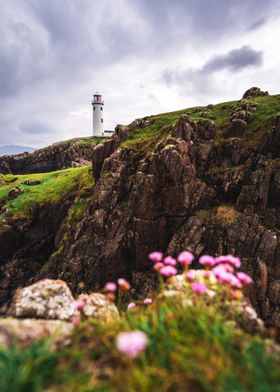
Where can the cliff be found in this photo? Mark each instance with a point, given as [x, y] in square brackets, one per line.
[204, 179]
[63, 155]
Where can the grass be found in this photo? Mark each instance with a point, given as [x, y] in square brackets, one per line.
[268, 107]
[195, 344]
[54, 186]
[223, 215]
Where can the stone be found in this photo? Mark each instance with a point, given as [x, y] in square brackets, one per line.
[33, 182]
[46, 299]
[237, 127]
[27, 331]
[13, 193]
[99, 307]
[254, 92]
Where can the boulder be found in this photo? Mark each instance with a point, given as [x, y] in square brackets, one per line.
[46, 299]
[13, 193]
[26, 332]
[254, 92]
[237, 127]
[33, 182]
[98, 306]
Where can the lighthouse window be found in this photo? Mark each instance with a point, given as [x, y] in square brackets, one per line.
[101, 107]
[93, 107]
[102, 120]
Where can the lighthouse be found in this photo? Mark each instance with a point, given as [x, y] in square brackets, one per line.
[98, 115]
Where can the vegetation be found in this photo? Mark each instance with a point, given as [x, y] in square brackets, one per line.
[268, 108]
[192, 338]
[82, 140]
[51, 189]
[223, 215]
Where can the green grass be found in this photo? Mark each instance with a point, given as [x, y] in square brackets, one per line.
[268, 107]
[54, 186]
[196, 347]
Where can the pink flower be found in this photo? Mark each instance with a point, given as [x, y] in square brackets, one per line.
[189, 276]
[198, 288]
[170, 261]
[158, 266]
[132, 343]
[111, 286]
[234, 261]
[147, 301]
[206, 260]
[156, 256]
[222, 274]
[235, 282]
[185, 258]
[168, 270]
[206, 274]
[131, 305]
[79, 304]
[244, 278]
[124, 284]
[75, 320]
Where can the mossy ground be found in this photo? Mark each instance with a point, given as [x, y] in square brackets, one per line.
[194, 345]
[268, 108]
[54, 186]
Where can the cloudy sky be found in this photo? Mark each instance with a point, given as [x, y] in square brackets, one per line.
[144, 56]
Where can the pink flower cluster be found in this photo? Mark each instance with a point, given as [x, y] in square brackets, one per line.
[223, 268]
[111, 287]
[167, 265]
[224, 271]
[132, 343]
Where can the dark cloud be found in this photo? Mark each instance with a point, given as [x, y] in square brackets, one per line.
[234, 61]
[53, 51]
[203, 19]
[257, 24]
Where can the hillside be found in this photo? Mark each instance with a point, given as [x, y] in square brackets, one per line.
[70, 153]
[204, 179]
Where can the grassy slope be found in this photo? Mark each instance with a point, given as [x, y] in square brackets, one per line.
[268, 107]
[195, 345]
[196, 348]
[59, 183]
[80, 141]
[54, 186]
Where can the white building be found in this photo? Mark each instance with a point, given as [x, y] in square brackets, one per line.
[97, 116]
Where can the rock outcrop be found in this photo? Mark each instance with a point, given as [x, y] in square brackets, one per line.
[99, 307]
[191, 188]
[24, 332]
[254, 92]
[55, 157]
[47, 299]
[48, 309]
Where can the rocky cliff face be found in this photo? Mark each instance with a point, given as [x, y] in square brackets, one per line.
[73, 153]
[187, 184]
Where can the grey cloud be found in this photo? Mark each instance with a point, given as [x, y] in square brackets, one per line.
[234, 61]
[257, 24]
[50, 49]
[35, 128]
[195, 18]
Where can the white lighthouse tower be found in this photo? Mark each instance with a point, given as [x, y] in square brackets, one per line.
[98, 115]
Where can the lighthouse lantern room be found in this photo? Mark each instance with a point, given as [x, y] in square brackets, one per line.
[98, 115]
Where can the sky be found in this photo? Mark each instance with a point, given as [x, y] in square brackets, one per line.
[144, 56]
